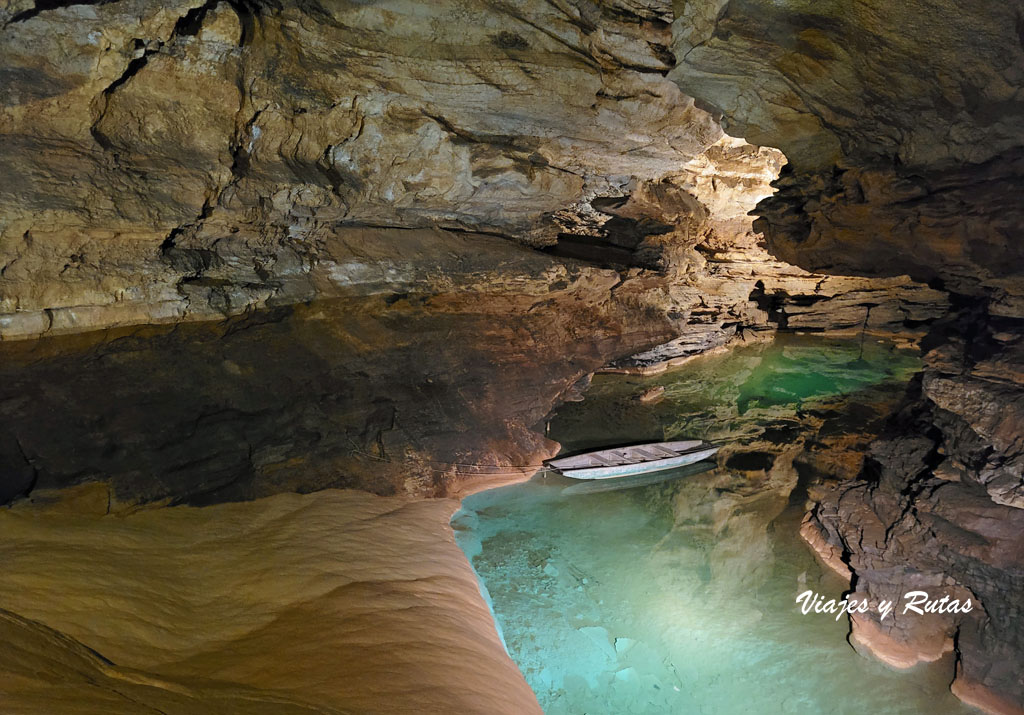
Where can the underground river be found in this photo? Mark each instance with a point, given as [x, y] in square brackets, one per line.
[680, 597]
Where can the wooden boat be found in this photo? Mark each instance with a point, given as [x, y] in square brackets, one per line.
[597, 486]
[636, 459]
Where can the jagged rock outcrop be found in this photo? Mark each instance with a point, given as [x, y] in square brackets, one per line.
[919, 518]
[938, 508]
[902, 125]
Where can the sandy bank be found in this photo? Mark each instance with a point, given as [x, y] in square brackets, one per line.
[337, 601]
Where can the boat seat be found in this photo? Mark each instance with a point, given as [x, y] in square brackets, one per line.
[629, 456]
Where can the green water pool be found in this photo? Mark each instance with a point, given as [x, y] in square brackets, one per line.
[680, 597]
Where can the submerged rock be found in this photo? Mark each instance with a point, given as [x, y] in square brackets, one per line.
[652, 394]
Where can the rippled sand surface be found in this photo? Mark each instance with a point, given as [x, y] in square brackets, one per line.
[331, 602]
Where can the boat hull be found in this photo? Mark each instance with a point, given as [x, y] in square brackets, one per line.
[625, 470]
[600, 486]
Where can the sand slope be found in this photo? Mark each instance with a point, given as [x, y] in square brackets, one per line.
[331, 602]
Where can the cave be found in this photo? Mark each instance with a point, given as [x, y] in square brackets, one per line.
[299, 300]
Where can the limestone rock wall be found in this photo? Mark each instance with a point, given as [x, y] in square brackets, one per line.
[424, 378]
[284, 246]
[902, 126]
[901, 122]
[361, 219]
[167, 161]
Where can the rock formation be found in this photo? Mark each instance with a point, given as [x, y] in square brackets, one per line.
[252, 247]
[901, 124]
[378, 216]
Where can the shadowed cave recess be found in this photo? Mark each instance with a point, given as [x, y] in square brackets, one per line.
[252, 250]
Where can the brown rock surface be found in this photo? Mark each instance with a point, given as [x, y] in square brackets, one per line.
[906, 526]
[398, 392]
[401, 233]
[166, 161]
[364, 186]
[901, 124]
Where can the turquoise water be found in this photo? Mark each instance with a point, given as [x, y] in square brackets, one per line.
[739, 393]
[680, 597]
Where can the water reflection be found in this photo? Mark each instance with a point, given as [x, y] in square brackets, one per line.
[737, 395]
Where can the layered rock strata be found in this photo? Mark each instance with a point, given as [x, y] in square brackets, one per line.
[369, 217]
[902, 126]
[398, 392]
[337, 213]
[171, 161]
